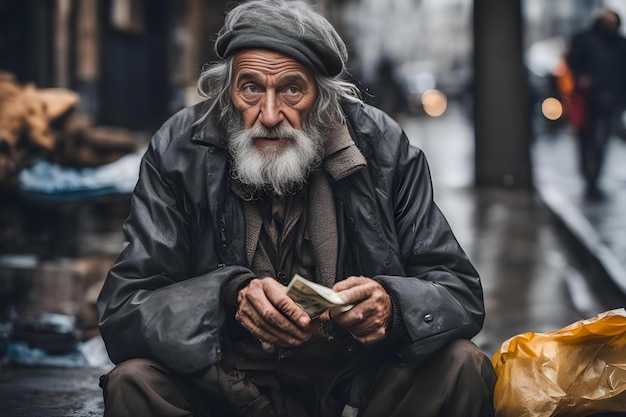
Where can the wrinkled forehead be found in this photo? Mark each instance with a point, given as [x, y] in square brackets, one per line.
[269, 63]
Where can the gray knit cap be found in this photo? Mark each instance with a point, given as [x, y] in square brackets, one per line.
[291, 28]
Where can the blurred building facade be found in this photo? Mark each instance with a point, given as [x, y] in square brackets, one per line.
[434, 33]
[132, 61]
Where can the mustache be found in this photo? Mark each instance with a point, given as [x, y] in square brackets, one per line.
[269, 170]
[281, 131]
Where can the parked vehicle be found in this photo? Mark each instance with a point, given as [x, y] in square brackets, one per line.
[420, 89]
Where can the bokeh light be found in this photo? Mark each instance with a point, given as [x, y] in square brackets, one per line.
[552, 108]
[434, 102]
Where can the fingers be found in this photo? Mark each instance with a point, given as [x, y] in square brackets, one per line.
[277, 295]
[368, 320]
[350, 282]
[270, 315]
[355, 290]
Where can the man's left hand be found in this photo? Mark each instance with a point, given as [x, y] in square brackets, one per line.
[368, 320]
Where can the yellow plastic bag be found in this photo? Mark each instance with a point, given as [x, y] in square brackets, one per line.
[576, 371]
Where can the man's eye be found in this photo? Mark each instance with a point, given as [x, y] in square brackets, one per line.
[292, 91]
[292, 94]
[251, 92]
[250, 89]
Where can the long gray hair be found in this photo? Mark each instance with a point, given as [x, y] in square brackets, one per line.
[295, 18]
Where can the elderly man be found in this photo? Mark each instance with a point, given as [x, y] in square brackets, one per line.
[282, 170]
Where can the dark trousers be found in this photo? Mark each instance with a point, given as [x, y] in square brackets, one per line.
[594, 139]
[457, 381]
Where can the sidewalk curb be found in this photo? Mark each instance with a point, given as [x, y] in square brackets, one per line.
[580, 228]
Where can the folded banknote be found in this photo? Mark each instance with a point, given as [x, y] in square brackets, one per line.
[315, 298]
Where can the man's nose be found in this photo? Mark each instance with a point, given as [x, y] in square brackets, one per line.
[271, 114]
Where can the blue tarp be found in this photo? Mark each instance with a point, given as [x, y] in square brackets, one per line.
[118, 177]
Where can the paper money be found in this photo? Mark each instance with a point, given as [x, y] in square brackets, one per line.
[315, 298]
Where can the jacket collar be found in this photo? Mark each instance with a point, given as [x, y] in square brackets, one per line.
[206, 131]
[341, 155]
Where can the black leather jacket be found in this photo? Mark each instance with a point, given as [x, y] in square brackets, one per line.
[161, 300]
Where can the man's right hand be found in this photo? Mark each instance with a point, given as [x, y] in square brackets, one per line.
[267, 312]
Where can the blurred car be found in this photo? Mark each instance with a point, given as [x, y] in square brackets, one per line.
[546, 72]
[419, 86]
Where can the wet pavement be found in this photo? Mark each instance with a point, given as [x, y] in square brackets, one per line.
[598, 225]
[37, 392]
[539, 266]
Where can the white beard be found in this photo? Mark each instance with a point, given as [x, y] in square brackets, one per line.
[277, 169]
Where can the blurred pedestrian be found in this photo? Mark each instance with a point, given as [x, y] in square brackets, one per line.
[597, 59]
[283, 170]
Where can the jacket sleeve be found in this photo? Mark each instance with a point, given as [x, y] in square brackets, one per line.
[440, 296]
[152, 305]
